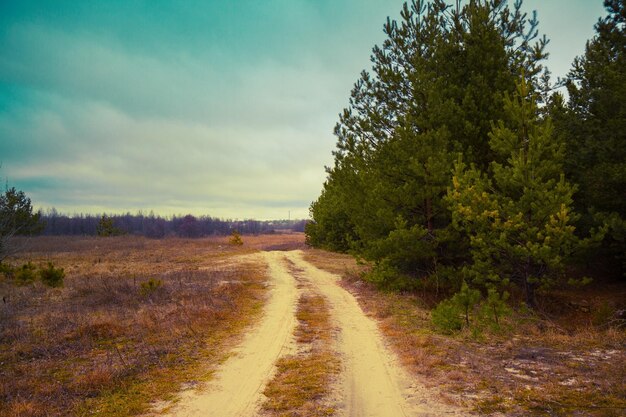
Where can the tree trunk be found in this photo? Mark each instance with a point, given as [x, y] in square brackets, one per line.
[530, 293]
[429, 215]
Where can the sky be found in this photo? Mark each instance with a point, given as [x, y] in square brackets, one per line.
[210, 107]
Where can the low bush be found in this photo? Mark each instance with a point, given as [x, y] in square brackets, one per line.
[26, 274]
[389, 278]
[468, 309]
[51, 276]
[149, 287]
[6, 270]
[447, 317]
[235, 239]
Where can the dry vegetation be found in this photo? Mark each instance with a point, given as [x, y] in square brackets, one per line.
[564, 362]
[132, 322]
[108, 342]
[303, 382]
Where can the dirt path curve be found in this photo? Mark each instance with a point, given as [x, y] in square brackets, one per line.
[374, 383]
[236, 388]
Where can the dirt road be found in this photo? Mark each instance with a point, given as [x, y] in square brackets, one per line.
[237, 385]
[372, 382]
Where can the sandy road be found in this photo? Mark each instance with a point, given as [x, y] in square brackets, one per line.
[372, 383]
[237, 385]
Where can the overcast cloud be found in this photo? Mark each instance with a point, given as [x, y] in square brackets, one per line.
[222, 107]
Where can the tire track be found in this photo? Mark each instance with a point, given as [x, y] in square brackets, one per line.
[236, 388]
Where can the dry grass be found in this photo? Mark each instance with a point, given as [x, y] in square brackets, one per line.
[277, 241]
[104, 344]
[303, 381]
[564, 366]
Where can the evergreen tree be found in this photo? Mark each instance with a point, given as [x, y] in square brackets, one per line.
[16, 219]
[520, 221]
[594, 124]
[436, 84]
[331, 228]
[106, 227]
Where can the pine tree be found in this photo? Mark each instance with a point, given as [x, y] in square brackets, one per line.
[520, 220]
[16, 219]
[594, 124]
[436, 84]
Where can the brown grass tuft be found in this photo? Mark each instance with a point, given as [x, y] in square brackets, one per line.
[303, 381]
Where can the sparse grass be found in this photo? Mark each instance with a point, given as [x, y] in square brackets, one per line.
[562, 366]
[303, 381]
[134, 321]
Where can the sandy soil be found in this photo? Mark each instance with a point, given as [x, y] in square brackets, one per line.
[372, 383]
[237, 386]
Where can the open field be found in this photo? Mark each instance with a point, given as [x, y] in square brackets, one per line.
[108, 342]
[141, 326]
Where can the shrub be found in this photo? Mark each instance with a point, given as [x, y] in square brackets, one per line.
[390, 278]
[6, 270]
[603, 314]
[25, 274]
[149, 287]
[235, 238]
[51, 276]
[494, 308]
[447, 317]
[465, 309]
[449, 314]
[466, 299]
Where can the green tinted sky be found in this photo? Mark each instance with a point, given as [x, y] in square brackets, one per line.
[215, 107]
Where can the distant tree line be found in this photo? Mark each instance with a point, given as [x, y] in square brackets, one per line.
[458, 166]
[154, 226]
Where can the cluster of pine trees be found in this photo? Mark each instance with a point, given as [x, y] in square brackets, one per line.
[459, 161]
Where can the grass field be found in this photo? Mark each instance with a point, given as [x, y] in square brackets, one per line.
[130, 325]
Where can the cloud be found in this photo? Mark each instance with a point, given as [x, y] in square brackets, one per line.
[101, 157]
[222, 108]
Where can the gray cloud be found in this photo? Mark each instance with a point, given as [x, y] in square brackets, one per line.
[223, 108]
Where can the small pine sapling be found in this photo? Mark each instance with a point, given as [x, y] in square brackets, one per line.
[235, 238]
[51, 276]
